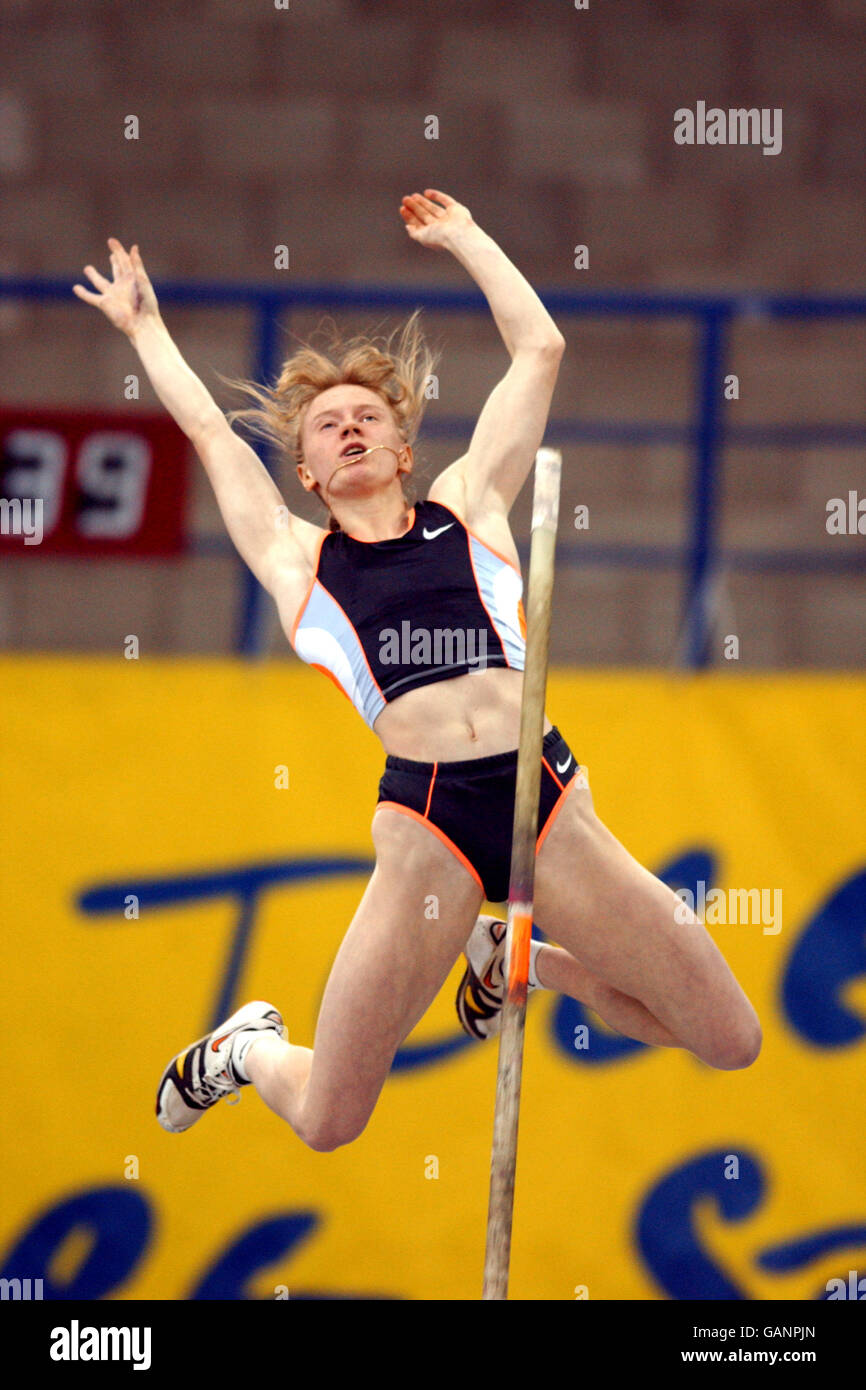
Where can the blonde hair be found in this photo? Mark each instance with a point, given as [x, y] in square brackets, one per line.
[398, 376]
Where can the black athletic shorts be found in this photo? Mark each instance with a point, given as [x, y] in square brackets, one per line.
[470, 805]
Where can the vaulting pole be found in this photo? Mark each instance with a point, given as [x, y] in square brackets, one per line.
[545, 512]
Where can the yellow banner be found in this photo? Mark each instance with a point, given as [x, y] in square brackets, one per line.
[182, 836]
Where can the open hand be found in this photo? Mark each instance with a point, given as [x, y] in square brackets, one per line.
[127, 299]
[432, 223]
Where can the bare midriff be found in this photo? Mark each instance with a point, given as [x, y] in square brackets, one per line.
[471, 716]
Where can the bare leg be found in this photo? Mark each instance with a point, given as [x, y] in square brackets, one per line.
[558, 970]
[392, 963]
[280, 1072]
[631, 933]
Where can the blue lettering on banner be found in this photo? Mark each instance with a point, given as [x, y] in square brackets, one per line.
[665, 1231]
[119, 1222]
[668, 1243]
[830, 951]
[828, 954]
[686, 871]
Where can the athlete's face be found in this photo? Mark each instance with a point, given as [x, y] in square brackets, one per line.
[350, 443]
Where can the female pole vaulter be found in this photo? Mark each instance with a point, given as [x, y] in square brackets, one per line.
[372, 600]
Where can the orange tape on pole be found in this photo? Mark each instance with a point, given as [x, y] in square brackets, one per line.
[518, 970]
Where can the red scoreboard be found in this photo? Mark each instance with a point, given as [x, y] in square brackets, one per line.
[92, 483]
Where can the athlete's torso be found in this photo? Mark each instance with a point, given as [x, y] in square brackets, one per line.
[423, 633]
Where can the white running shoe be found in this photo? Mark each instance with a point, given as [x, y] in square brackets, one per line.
[481, 992]
[202, 1074]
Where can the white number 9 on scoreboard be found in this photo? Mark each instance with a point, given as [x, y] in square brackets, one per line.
[112, 468]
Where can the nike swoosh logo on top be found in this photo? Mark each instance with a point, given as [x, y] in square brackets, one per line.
[431, 535]
[565, 764]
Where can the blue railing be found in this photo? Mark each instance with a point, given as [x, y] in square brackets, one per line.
[705, 435]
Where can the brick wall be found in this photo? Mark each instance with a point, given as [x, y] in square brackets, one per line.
[304, 126]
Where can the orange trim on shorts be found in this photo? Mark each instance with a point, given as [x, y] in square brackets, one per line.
[557, 807]
[422, 820]
[552, 773]
[430, 792]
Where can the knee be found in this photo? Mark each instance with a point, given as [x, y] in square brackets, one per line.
[741, 1048]
[326, 1137]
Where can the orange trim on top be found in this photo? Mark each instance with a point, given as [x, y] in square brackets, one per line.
[486, 544]
[303, 606]
[393, 538]
[353, 628]
[416, 815]
[357, 639]
[481, 600]
[331, 677]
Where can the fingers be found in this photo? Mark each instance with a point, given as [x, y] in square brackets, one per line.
[440, 197]
[423, 209]
[99, 280]
[141, 275]
[87, 295]
[122, 263]
[119, 255]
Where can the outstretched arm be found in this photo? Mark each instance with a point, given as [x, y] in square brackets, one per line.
[520, 316]
[252, 506]
[511, 425]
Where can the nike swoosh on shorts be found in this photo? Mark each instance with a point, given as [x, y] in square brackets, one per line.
[565, 764]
